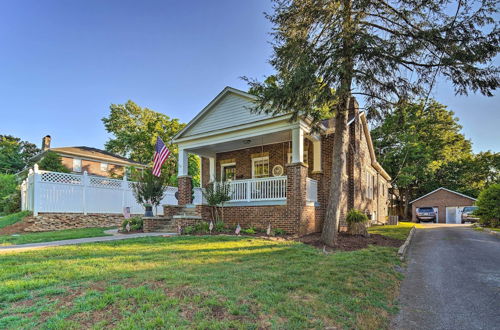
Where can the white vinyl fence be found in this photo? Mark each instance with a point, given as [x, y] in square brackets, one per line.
[54, 192]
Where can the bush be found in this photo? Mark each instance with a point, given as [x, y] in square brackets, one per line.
[52, 162]
[249, 231]
[356, 216]
[135, 223]
[202, 227]
[488, 204]
[188, 230]
[279, 232]
[10, 195]
[356, 222]
[219, 227]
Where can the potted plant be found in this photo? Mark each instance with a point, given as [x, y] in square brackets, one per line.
[149, 191]
[148, 210]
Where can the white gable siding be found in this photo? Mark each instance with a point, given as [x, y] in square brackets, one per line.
[231, 110]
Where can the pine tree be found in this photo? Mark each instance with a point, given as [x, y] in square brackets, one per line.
[326, 51]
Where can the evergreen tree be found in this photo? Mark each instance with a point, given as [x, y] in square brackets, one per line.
[326, 51]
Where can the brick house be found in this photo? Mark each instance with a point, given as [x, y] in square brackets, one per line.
[94, 161]
[447, 204]
[279, 170]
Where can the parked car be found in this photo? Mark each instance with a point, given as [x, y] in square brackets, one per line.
[468, 214]
[426, 214]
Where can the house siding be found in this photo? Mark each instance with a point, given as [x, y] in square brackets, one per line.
[93, 167]
[231, 110]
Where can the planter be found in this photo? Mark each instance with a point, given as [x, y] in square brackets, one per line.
[149, 211]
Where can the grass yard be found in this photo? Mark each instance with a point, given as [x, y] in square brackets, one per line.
[13, 218]
[400, 231]
[483, 228]
[198, 282]
[49, 236]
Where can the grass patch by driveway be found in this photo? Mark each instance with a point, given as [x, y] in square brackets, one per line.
[13, 218]
[50, 236]
[198, 282]
[483, 228]
[401, 231]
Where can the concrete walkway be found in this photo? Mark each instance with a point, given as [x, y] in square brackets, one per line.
[116, 236]
[452, 280]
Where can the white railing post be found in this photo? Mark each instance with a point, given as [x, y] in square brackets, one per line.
[124, 191]
[36, 180]
[84, 192]
[249, 190]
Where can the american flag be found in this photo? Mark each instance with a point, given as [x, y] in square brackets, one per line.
[161, 155]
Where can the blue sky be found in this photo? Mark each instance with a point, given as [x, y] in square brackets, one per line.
[62, 63]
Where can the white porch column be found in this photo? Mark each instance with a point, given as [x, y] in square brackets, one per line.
[182, 163]
[297, 145]
[211, 161]
[317, 156]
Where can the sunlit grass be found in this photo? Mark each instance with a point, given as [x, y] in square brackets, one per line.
[400, 231]
[50, 236]
[197, 282]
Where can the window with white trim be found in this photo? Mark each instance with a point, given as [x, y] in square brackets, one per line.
[228, 171]
[77, 165]
[104, 167]
[260, 167]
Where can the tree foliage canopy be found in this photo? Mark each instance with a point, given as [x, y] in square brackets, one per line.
[135, 130]
[51, 161]
[423, 149]
[15, 154]
[388, 51]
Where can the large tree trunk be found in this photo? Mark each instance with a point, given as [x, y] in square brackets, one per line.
[337, 196]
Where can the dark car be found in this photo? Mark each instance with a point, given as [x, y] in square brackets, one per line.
[468, 214]
[426, 214]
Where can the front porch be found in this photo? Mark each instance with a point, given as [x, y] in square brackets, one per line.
[256, 166]
[273, 165]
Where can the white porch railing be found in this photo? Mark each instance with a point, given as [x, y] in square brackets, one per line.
[311, 190]
[261, 189]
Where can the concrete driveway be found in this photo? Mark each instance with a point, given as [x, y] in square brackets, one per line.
[452, 280]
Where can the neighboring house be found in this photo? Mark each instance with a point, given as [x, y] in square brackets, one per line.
[279, 170]
[94, 161]
[447, 204]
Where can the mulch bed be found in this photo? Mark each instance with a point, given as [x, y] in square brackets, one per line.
[16, 228]
[348, 242]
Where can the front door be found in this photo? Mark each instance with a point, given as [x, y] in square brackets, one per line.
[451, 214]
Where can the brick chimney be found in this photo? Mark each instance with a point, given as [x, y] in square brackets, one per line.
[46, 142]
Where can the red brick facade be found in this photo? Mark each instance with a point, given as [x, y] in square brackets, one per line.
[185, 194]
[297, 217]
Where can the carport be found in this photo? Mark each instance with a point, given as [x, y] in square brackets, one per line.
[448, 203]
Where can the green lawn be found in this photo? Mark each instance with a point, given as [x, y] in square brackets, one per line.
[400, 231]
[202, 282]
[13, 218]
[49, 236]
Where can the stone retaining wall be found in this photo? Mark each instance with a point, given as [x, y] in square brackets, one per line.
[60, 221]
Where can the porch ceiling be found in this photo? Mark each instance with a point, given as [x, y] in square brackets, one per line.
[255, 141]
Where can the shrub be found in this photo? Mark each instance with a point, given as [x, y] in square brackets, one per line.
[488, 204]
[52, 162]
[250, 231]
[202, 227]
[278, 232]
[150, 189]
[8, 194]
[217, 193]
[188, 230]
[356, 216]
[219, 226]
[356, 222]
[135, 223]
